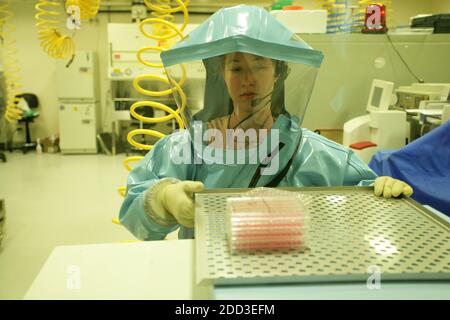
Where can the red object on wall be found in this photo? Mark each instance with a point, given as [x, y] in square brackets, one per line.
[375, 19]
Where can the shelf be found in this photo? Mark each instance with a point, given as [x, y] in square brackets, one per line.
[374, 38]
[158, 99]
[127, 99]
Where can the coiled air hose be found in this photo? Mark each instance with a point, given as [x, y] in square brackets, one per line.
[10, 62]
[163, 30]
[51, 18]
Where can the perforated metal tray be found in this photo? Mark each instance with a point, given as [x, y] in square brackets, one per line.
[352, 234]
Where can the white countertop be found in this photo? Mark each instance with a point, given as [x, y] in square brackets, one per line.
[166, 270]
[137, 270]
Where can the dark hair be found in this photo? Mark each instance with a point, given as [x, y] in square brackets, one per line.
[281, 67]
[214, 76]
[281, 72]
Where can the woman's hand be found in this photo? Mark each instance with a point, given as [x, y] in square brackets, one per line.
[389, 187]
[177, 199]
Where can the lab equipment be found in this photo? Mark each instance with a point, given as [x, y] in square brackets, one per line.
[339, 16]
[431, 113]
[410, 97]
[422, 102]
[381, 129]
[347, 16]
[302, 21]
[265, 219]
[352, 234]
[439, 22]
[78, 96]
[424, 164]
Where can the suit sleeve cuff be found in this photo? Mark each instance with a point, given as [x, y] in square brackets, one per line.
[153, 206]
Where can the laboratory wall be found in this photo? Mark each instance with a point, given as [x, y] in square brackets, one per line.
[351, 62]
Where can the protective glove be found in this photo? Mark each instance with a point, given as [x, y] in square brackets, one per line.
[177, 199]
[389, 187]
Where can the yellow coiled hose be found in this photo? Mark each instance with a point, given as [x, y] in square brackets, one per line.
[163, 30]
[11, 64]
[52, 17]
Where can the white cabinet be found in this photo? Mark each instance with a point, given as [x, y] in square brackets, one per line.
[79, 81]
[78, 127]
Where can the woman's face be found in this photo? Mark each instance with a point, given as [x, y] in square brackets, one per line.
[250, 80]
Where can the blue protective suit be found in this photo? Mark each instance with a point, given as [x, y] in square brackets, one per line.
[424, 164]
[317, 162]
[302, 158]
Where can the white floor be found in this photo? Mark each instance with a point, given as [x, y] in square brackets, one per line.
[53, 200]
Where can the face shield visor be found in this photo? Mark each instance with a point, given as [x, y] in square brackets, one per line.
[238, 97]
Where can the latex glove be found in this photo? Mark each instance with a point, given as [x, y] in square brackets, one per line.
[389, 187]
[177, 199]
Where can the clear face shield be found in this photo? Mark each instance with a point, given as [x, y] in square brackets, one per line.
[237, 98]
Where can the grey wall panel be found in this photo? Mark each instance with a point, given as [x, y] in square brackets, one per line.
[344, 80]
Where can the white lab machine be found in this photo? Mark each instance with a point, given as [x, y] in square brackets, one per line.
[410, 97]
[431, 114]
[125, 40]
[77, 90]
[303, 21]
[380, 129]
[425, 106]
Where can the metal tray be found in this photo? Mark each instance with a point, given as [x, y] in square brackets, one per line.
[352, 235]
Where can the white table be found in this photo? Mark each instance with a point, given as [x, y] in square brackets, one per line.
[166, 270]
[138, 270]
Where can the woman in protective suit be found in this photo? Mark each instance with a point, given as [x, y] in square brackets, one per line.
[247, 131]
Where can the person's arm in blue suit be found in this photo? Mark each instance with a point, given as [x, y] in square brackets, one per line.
[139, 213]
[322, 162]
